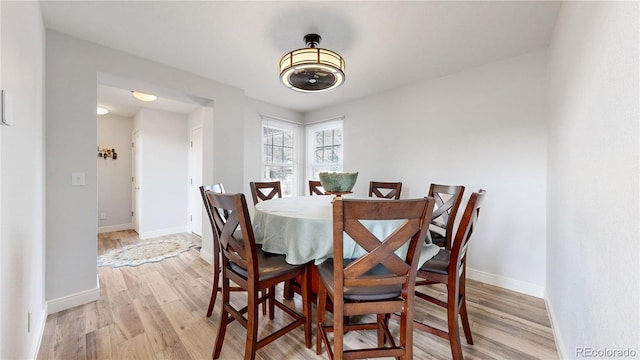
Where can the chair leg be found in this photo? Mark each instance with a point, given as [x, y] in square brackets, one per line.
[465, 322]
[306, 304]
[271, 302]
[264, 307]
[452, 324]
[252, 326]
[288, 290]
[322, 304]
[212, 302]
[224, 319]
[463, 310]
[406, 328]
[381, 333]
[338, 331]
[216, 286]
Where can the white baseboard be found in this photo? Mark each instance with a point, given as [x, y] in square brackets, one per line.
[206, 256]
[507, 283]
[110, 228]
[77, 299]
[562, 354]
[162, 232]
[41, 324]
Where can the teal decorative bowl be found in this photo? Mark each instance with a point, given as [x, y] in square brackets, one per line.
[338, 182]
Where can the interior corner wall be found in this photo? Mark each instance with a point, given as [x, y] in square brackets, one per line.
[114, 175]
[22, 181]
[484, 128]
[593, 264]
[72, 66]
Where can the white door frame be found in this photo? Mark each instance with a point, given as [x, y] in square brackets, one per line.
[136, 180]
[195, 179]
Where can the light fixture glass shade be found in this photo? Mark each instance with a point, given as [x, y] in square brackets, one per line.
[312, 70]
[101, 110]
[142, 96]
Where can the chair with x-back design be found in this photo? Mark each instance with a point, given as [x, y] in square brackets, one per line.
[379, 282]
[255, 271]
[265, 190]
[449, 267]
[448, 199]
[216, 188]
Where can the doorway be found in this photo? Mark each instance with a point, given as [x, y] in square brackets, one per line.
[160, 194]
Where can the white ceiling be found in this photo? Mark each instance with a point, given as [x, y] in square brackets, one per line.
[385, 44]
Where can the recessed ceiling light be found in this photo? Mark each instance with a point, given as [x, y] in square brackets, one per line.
[142, 96]
[100, 110]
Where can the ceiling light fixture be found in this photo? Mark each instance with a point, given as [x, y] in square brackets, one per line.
[101, 110]
[312, 69]
[142, 96]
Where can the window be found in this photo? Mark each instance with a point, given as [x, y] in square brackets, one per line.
[324, 147]
[280, 153]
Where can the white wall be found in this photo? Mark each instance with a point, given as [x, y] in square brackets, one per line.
[593, 199]
[22, 181]
[482, 128]
[114, 176]
[72, 66]
[165, 172]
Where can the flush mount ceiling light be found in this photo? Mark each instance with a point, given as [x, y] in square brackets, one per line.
[142, 96]
[312, 69]
[101, 110]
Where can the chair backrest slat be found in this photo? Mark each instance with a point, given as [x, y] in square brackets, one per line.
[265, 190]
[315, 188]
[387, 190]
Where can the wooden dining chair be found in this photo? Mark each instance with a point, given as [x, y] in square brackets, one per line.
[387, 190]
[379, 282]
[315, 188]
[449, 267]
[216, 188]
[448, 199]
[265, 190]
[255, 271]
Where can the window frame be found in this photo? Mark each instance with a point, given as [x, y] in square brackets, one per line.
[310, 129]
[296, 130]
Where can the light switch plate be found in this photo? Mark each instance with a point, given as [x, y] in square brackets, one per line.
[77, 179]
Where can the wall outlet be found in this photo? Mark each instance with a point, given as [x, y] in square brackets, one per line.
[103, 215]
[29, 321]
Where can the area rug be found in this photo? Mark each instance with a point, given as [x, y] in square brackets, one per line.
[142, 253]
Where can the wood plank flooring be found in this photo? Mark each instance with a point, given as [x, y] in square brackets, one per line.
[157, 311]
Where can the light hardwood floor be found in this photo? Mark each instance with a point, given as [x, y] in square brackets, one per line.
[157, 311]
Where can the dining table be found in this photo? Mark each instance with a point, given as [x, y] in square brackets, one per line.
[301, 229]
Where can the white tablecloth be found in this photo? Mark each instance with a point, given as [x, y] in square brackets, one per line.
[301, 228]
